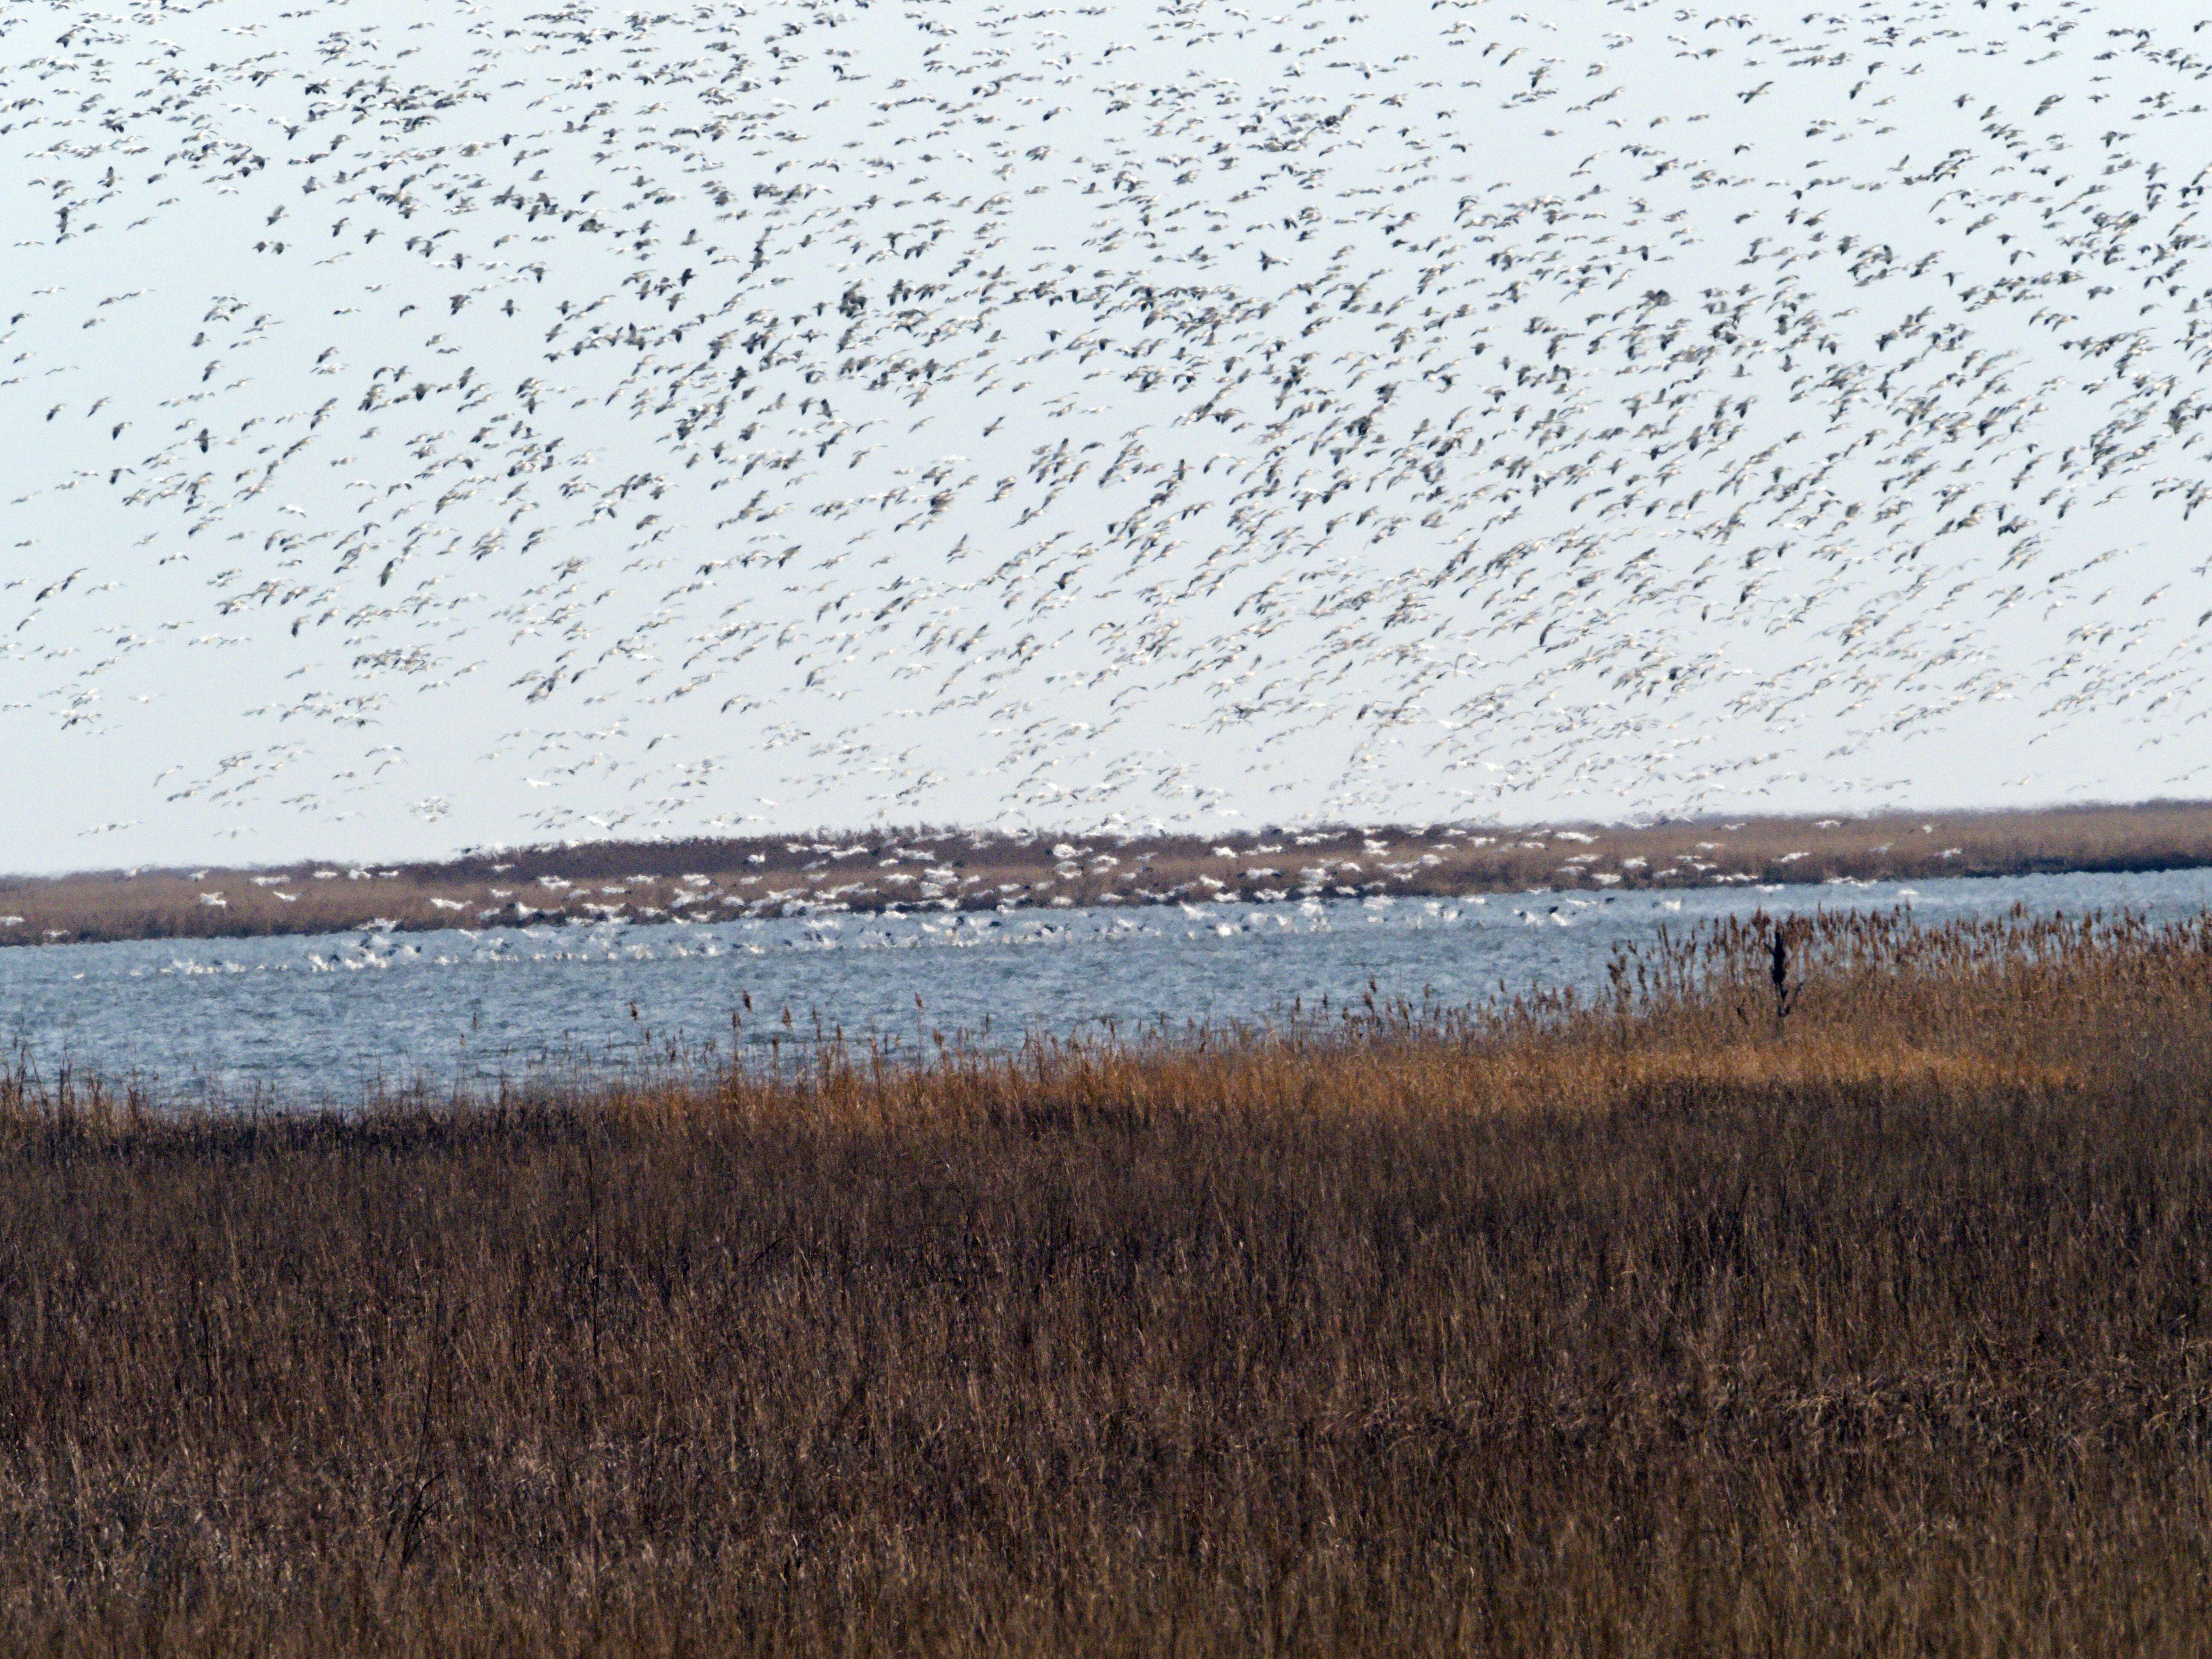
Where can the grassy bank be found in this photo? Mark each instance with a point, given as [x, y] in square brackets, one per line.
[952, 870]
[1679, 1325]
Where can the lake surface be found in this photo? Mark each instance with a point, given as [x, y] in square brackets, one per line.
[324, 1018]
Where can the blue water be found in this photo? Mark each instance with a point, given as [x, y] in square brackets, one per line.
[324, 1018]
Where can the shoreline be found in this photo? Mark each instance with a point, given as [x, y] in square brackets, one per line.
[1431, 1333]
[922, 870]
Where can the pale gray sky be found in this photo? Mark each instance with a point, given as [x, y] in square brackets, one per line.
[433, 425]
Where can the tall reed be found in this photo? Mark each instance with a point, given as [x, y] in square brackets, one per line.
[1625, 1326]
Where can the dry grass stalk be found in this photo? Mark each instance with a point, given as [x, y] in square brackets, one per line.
[1629, 1328]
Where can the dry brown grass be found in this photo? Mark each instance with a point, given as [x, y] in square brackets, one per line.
[921, 868]
[1664, 1327]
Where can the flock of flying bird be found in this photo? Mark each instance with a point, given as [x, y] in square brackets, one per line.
[943, 409]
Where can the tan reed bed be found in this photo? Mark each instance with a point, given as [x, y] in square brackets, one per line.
[1676, 1325]
[940, 869]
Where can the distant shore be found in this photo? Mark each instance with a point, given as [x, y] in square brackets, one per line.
[938, 869]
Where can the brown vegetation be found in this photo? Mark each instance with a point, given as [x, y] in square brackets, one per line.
[928, 869]
[1850, 1302]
